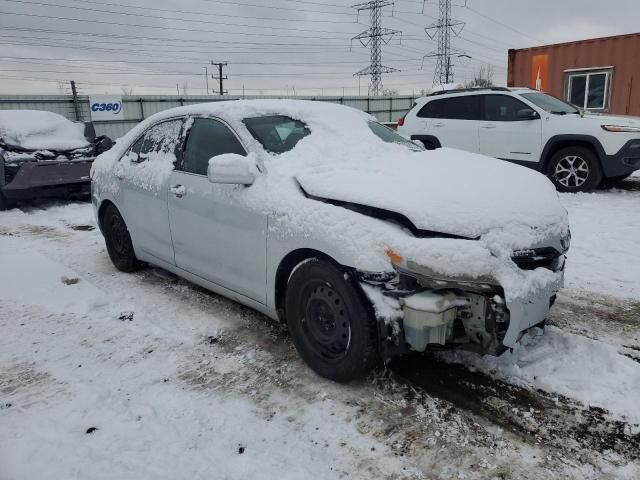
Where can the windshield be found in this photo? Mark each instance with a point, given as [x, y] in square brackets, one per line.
[277, 133]
[390, 136]
[550, 104]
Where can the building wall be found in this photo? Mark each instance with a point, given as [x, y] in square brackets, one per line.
[620, 52]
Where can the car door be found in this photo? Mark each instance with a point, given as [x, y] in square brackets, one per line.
[505, 135]
[454, 121]
[143, 172]
[216, 236]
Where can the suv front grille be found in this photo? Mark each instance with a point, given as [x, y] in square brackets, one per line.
[548, 258]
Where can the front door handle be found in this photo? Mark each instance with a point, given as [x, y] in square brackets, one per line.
[178, 190]
[488, 126]
[438, 125]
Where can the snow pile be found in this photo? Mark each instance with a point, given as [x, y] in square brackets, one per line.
[587, 370]
[40, 130]
[605, 243]
[445, 191]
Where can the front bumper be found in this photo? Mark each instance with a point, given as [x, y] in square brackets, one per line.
[527, 312]
[624, 162]
[32, 177]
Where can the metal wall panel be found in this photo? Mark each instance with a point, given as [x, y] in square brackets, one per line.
[137, 108]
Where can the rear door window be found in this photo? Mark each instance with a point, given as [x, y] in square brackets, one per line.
[208, 138]
[159, 142]
[461, 108]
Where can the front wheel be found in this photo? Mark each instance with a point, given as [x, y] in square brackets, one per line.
[575, 169]
[329, 322]
[118, 240]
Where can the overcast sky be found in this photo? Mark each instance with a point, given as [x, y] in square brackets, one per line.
[272, 46]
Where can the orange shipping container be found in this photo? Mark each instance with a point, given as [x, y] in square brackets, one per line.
[600, 75]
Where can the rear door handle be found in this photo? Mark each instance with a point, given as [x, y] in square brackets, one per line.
[178, 190]
[438, 125]
[488, 126]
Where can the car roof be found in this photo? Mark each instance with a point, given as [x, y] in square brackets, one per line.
[464, 92]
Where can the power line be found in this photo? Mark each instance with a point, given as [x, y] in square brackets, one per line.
[373, 37]
[172, 18]
[497, 22]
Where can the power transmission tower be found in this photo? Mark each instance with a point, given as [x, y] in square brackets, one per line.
[442, 30]
[220, 78]
[374, 37]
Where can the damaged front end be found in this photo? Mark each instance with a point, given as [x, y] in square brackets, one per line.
[431, 312]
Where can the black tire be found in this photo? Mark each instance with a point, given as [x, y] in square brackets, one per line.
[575, 169]
[332, 327]
[118, 240]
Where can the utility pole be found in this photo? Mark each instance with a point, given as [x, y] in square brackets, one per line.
[76, 107]
[206, 79]
[220, 77]
[442, 30]
[374, 37]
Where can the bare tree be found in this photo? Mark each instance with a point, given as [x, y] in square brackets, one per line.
[388, 92]
[482, 78]
[61, 85]
[126, 91]
[185, 88]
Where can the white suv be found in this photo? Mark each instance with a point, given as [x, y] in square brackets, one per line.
[577, 150]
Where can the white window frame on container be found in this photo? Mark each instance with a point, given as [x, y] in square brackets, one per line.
[587, 73]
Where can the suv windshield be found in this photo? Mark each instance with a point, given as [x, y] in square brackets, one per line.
[549, 103]
[390, 136]
[277, 133]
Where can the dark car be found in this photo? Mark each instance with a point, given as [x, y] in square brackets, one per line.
[43, 154]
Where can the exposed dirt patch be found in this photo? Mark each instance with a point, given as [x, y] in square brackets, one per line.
[25, 385]
[536, 416]
[613, 320]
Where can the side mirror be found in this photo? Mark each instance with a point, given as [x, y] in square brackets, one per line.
[231, 168]
[527, 114]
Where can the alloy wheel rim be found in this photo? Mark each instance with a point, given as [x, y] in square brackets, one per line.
[572, 171]
[325, 321]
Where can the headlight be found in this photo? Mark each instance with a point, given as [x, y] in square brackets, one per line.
[621, 129]
[565, 241]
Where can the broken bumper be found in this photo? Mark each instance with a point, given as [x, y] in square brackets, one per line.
[528, 312]
[32, 176]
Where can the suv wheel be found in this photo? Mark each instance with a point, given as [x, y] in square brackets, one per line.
[329, 323]
[575, 169]
[118, 240]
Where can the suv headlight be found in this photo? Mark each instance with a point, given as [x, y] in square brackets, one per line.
[621, 128]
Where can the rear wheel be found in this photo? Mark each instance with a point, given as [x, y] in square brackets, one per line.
[575, 169]
[329, 322]
[118, 240]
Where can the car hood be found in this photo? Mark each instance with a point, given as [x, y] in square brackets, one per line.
[447, 191]
[622, 120]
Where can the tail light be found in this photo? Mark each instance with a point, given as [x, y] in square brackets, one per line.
[401, 121]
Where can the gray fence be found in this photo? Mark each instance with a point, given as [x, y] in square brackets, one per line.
[137, 108]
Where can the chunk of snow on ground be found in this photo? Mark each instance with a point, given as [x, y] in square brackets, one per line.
[587, 370]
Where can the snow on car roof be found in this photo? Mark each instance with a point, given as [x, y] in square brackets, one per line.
[40, 130]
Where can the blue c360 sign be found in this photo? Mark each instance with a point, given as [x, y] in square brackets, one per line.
[113, 107]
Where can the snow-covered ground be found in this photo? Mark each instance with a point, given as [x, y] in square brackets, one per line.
[109, 375]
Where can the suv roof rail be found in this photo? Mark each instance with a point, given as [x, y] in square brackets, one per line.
[474, 89]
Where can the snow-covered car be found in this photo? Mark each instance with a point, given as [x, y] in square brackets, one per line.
[577, 150]
[365, 244]
[44, 154]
